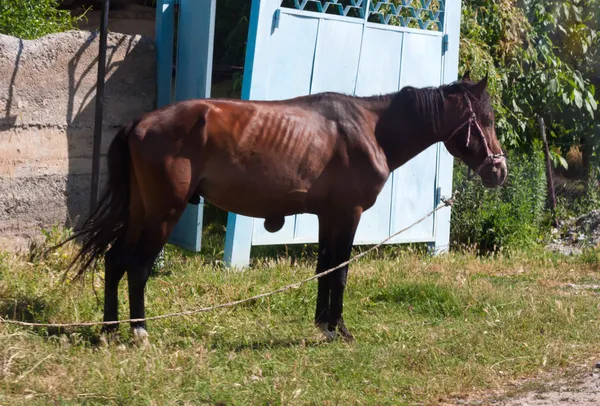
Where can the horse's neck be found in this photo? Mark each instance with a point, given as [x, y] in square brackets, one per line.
[400, 131]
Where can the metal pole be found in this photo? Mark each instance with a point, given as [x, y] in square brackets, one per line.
[99, 105]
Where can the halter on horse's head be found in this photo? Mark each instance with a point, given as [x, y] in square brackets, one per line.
[484, 155]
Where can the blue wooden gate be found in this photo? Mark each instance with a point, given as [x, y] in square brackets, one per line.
[364, 48]
[360, 47]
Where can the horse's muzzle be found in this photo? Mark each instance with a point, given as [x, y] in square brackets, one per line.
[494, 174]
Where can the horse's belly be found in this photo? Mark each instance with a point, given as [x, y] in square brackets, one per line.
[247, 196]
[263, 181]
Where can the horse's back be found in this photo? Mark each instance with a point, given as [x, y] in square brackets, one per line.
[260, 158]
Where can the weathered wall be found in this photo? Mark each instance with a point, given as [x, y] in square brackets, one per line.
[47, 103]
[124, 18]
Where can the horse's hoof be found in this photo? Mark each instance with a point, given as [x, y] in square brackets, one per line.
[108, 337]
[140, 336]
[345, 334]
[104, 340]
[330, 335]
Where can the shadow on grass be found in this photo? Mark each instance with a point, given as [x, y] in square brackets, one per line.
[35, 310]
[22, 308]
[430, 300]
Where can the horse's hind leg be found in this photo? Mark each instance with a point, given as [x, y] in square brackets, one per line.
[118, 258]
[114, 269]
[152, 240]
[165, 186]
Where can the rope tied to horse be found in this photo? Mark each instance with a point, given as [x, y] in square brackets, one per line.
[444, 203]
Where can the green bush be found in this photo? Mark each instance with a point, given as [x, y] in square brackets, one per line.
[591, 199]
[508, 217]
[30, 19]
[580, 197]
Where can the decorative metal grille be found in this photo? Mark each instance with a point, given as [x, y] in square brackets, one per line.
[344, 8]
[419, 14]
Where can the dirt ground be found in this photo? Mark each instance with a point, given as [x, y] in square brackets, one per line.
[575, 234]
[583, 391]
[580, 387]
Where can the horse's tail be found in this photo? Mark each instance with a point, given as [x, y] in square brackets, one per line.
[109, 219]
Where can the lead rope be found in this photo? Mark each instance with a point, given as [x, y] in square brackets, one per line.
[445, 203]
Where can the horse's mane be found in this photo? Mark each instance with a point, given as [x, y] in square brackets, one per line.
[426, 103]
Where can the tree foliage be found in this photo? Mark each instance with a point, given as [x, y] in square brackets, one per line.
[543, 60]
[231, 31]
[30, 19]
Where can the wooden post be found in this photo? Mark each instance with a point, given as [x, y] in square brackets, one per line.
[549, 177]
[99, 105]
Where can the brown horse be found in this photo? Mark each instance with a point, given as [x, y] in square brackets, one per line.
[327, 154]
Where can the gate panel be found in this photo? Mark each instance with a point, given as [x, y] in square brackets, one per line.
[415, 181]
[165, 34]
[414, 196]
[293, 67]
[380, 60]
[306, 228]
[336, 60]
[421, 59]
[285, 57]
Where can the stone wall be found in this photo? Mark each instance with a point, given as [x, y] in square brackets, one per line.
[47, 104]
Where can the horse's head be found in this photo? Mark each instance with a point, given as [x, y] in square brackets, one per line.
[472, 132]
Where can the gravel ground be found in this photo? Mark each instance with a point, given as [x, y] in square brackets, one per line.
[581, 387]
[574, 235]
[583, 391]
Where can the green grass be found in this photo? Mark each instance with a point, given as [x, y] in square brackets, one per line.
[427, 328]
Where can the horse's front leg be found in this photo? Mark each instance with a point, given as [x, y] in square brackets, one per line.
[323, 290]
[344, 230]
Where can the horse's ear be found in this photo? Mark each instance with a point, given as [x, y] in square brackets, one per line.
[467, 75]
[480, 86]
